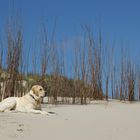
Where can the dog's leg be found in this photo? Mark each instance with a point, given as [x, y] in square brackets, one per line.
[7, 105]
[12, 111]
[38, 112]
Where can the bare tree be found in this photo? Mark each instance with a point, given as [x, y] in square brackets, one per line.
[131, 81]
[95, 63]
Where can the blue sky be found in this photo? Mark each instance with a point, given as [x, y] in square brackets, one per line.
[118, 19]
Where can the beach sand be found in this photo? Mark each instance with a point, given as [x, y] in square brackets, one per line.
[99, 120]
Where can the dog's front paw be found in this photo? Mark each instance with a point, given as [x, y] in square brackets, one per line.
[44, 113]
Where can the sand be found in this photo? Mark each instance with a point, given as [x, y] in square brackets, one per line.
[96, 121]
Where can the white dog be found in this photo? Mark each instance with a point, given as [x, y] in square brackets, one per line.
[31, 102]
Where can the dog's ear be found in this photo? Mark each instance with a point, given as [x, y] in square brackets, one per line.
[31, 91]
[35, 91]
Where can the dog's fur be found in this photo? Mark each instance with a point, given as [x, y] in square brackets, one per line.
[29, 103]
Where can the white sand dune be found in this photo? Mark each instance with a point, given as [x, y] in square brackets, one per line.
[97, 121]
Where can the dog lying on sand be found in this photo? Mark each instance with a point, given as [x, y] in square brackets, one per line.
[29, 103]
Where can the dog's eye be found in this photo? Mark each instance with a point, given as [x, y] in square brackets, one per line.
[41, 89]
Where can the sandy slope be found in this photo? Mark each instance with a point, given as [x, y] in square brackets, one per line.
[97, 121]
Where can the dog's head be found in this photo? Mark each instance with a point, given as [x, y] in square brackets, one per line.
[38, 91]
